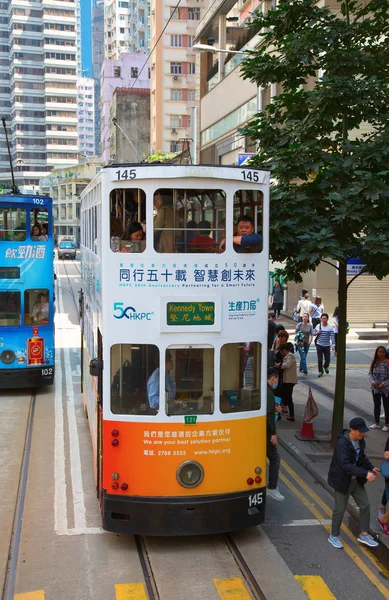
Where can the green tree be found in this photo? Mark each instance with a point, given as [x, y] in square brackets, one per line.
[327, 144]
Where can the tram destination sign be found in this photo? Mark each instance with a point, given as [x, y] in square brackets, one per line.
[190, 313]
[9, 272]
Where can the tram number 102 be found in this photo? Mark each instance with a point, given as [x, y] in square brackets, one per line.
[126, 174]
[255, 499]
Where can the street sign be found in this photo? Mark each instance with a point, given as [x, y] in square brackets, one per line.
[355, 266]
[190, 313]
[243, 159]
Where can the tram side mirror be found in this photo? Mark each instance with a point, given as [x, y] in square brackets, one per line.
[96, 367]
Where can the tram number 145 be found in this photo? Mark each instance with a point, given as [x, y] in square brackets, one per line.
[126, 174]
[256, 499]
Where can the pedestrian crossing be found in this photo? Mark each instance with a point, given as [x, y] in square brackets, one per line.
[234, 588]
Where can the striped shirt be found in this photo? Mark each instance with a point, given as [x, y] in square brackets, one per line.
[326, 335]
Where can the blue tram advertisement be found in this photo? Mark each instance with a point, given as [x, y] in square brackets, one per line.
[26, 291]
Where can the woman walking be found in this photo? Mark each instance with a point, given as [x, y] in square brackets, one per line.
[277, 297]
[317, 310]
[324, 336]
[379, 379]
[304, 331]
[289, 378]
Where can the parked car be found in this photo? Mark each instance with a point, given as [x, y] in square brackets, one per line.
[67, 250]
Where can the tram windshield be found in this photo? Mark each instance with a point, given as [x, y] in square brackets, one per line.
[240, 376]
[12, 224]
[189, 383]
[9, 309]
[36, 307]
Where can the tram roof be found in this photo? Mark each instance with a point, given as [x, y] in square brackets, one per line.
[167, 164]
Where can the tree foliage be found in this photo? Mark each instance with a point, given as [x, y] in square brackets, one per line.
[325, 137]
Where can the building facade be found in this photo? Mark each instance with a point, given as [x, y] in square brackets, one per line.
[97, 61]
[132, 109]
[65, 187]
[4, 84]
[116, 28]
[42, 45]
[175, 79]
[122, 73]
[86, 116]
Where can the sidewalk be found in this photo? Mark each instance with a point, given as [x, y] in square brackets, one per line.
[359, 333]
[315, 456]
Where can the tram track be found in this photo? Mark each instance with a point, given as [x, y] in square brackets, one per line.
[7, 592]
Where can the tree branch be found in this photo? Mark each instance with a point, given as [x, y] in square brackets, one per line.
[329, 263]
[363, 270]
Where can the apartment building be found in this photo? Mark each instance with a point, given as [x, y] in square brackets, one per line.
[42, 94]
[86, 116]
[97, 60]
[116, 28]
[139, 26]
[124, 73]
[175, 79]
[4, 83]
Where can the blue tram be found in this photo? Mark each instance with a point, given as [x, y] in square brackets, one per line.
[26, 291]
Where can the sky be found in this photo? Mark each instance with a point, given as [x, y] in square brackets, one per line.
[86, 35]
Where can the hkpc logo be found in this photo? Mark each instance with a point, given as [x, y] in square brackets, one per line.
[130, 313]
[243, 306]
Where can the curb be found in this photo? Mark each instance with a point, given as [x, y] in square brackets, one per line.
[312, 470]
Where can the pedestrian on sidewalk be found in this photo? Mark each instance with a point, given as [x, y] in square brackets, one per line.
[289, 378]
[271, 437]
[317, 309]
[335, 325]
[379, 379]
[305, 332]
[383, 514]
[278, 297]
[303, 306]
[271, 330]
[275, 358]
[324, 336]
[349, 470]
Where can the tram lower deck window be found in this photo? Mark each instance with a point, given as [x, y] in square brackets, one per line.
[9, 309]
[240, 377]
[132, 366]
[189, 381]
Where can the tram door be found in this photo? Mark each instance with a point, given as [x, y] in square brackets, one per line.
[100, 419]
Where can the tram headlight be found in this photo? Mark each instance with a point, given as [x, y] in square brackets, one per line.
[190, 474]
[258, 470]
[115, 476]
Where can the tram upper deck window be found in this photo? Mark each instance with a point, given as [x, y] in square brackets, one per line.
[189, 381]
[240, 377]
[132, 366]
[188, 220]
[127, 220]
[39, 225]
[36, 307]
[12, 224]
[247, 234]
[9, 309]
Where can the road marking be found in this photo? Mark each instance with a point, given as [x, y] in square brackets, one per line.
[233, 588]
[38, 595]
[304, 522]
[81, 531]
[315, 587]
[60, 506]
[74, 445]
[357, 560]
[130, 591]
[373, 559]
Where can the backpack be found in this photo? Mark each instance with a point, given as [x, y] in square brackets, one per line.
[299, 338]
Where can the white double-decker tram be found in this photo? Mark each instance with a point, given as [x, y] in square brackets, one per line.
[174, 321]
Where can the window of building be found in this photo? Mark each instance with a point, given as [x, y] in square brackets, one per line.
[128, 225]
[190, 40]
[175, 147]
[122, 30]
[176, 40]
[36, 307]
[247, 232]
[240, 374]
[189, 220]
[134, 72]
[175, 94]
[134, 378]
[191, 95]
[9, 309]
[175, 68]
[189, 381]
[175, 121]
[191, 68]
[193, 14]
[12, 225]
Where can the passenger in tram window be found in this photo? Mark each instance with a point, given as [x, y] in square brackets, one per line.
[44, 236]
[35, 232]
[164, 222]
[153, 383]
[116, 233]
[19, 234]
[203, 242]
[245, 239]
[132, 238]
[41, 309]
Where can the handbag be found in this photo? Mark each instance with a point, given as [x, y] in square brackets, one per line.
[384, 468]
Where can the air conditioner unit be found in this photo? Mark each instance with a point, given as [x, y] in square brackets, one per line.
[174, 130]
[175, 77]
